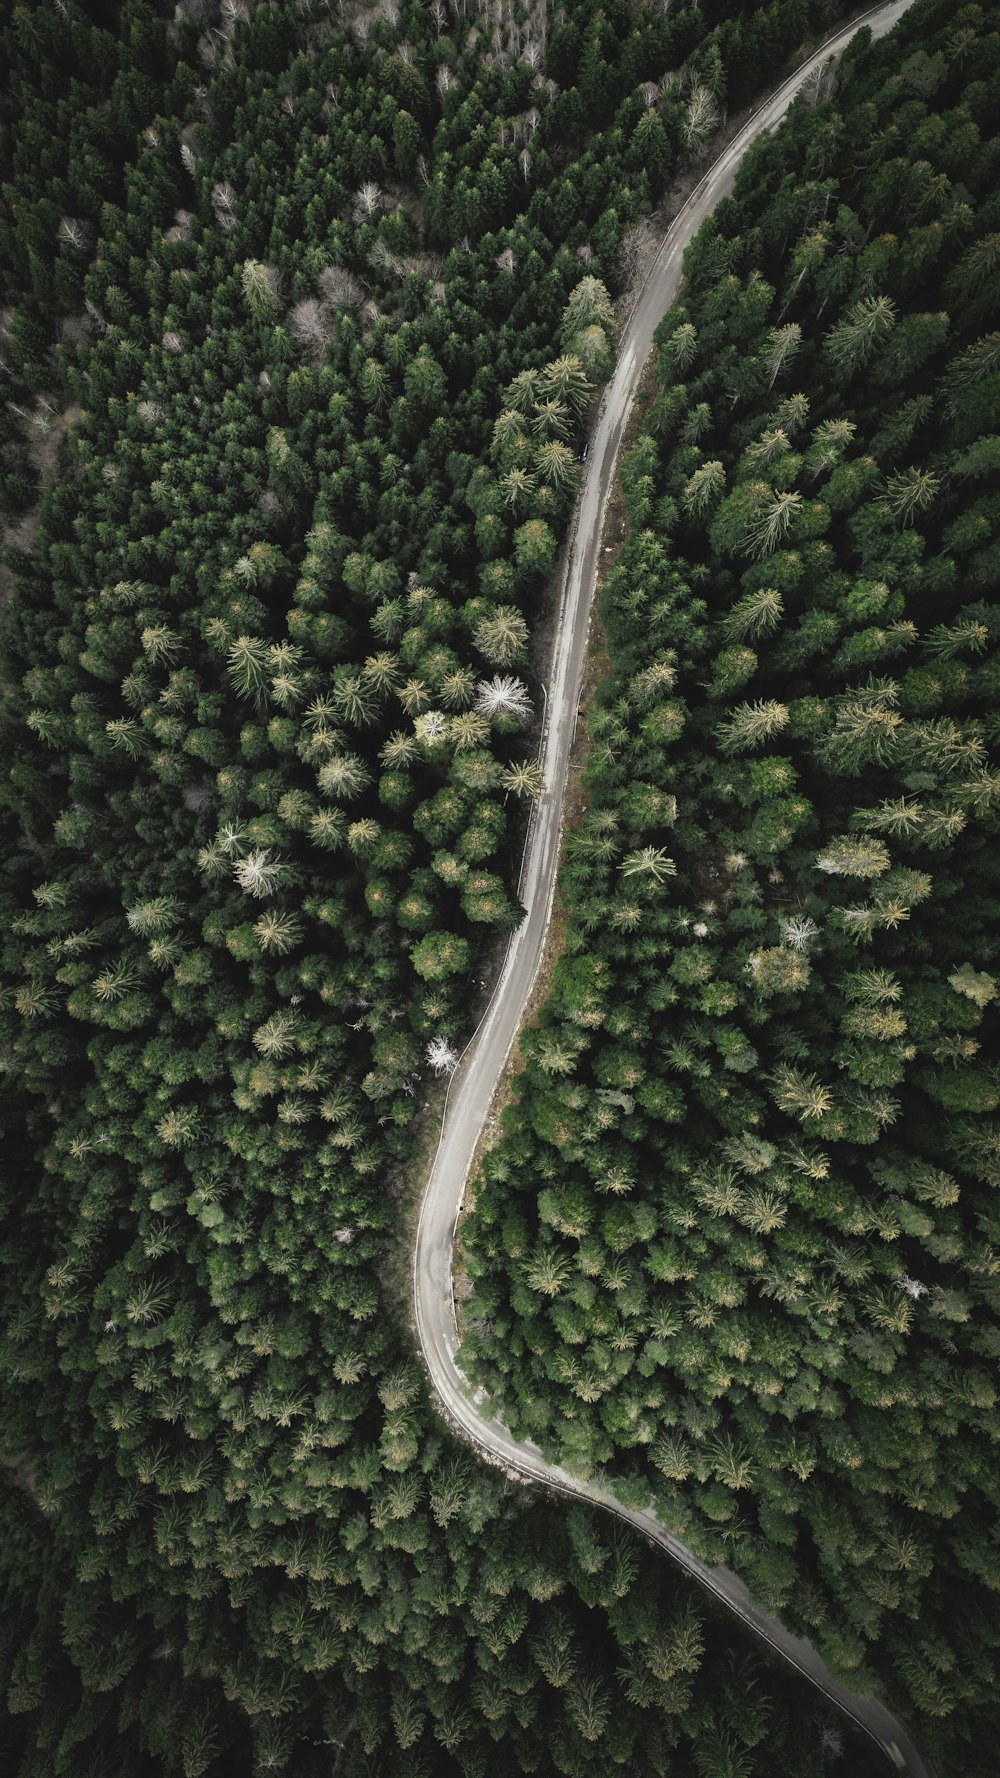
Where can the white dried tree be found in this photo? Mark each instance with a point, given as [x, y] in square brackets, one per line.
[181, 229]
[798, 932]
[224, 205]
[501, 696]
[431, 727]
[310, 327]
[821, 83]
[442, 1056]
[74, 232]
[368, 201]
[340, 289]
[259, 873]
[700, 118]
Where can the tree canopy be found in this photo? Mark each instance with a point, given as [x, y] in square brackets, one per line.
[304, 311]
[736, 1246]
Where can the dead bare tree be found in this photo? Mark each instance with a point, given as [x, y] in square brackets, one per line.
[638, 243]
[310, 327]
[368, 201]
[181, 229]
[340, 289]
[74, 232]
[224, 204]
[233, 13]
[820, 84]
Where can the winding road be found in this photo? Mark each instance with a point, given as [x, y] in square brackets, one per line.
[483, 1063]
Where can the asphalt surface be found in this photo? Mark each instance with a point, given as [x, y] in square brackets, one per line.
[483, 1063]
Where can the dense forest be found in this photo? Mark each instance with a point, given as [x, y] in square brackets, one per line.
[303, 312]
[737, 1247]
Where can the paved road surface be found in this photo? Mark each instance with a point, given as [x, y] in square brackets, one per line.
[477, 1078]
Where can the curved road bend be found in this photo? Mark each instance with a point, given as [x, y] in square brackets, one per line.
[474, 1085]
